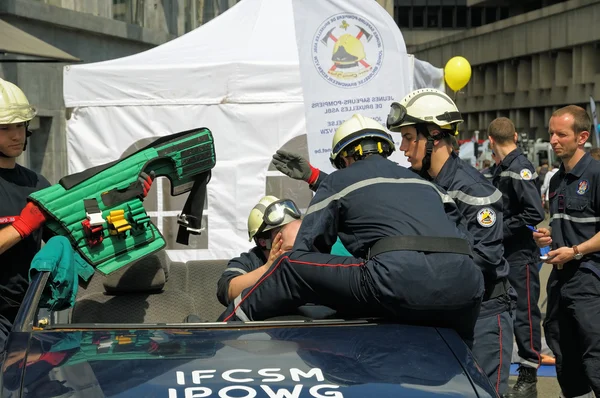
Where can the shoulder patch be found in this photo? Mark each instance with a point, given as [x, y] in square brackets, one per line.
[525, 174]
[582, 187]
[486, 217]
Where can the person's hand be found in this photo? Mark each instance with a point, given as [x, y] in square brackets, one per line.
[295, 166]
[542, 237]
[276, 251]
[31, 219]
[146, 180]
[561, 255]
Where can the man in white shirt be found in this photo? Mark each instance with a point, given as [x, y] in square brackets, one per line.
[546, 184]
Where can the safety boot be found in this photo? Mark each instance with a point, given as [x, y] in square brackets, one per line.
[526, 385]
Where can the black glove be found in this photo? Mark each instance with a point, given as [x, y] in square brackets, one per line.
[295, 166]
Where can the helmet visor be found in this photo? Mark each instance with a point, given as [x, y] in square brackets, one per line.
[278, 213]
[16, 114]
[399, 115]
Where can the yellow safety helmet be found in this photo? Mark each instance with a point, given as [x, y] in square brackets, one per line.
[269, 213]
[359, 135]
[14, 106]
[348, 50]
[424, 106]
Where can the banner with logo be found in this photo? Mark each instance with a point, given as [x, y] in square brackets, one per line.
[352, 60]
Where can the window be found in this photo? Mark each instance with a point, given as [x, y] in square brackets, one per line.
[490, 14]
[402, 15]
[476, 16]
[461, 16]
[504, 13]
[432, 17]
[448, 17]
[418, 17]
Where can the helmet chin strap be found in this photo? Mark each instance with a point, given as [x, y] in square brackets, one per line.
[426, 162]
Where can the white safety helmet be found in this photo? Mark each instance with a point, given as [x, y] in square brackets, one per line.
[359, 135]
[14, 106]
[271, 212]
[424, 106]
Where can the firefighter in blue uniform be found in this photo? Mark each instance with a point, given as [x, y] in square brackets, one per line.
[516, 178]
[408, 256]
[572, 323]
[428, 120]
[20, 232]
[245, 270]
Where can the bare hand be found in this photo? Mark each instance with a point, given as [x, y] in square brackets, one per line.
[542, 237]
[561, 255]
[276, 250]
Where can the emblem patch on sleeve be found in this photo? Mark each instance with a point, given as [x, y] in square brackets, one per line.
[486, 217]
[525, 174]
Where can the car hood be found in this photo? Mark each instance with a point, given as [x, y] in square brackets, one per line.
[315, 361]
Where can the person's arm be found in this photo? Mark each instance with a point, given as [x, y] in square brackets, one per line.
[31, 219]
[565, 254]
[319, 229]
[241, 282]
[481, 207]
[8, 238]
[532, 212]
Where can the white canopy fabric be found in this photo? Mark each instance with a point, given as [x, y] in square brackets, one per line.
[237, 75]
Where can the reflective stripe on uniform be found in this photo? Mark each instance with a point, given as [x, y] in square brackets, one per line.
[582, 220]
[476, 201]
[517, 176]
[238, 309]
[372, 181]
[238, 270]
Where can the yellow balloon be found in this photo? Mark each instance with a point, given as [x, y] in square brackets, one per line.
[457, 73]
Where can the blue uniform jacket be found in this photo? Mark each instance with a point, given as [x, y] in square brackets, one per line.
[516, 178]
[245, 263]
[481, 206]
[398, 203]
[575, 207]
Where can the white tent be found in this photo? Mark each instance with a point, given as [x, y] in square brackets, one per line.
[238, 75]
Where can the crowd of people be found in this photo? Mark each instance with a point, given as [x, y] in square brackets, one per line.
[438, 244]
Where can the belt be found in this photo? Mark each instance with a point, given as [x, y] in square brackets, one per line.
[498, 289]
[426, 244]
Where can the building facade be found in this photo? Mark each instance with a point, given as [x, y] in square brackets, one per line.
[529, 57]
[543, 56]
[93, 31]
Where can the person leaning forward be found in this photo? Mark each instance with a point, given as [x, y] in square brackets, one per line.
[408, 257]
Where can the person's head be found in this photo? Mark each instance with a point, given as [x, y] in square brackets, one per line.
[358, 138]
[502, 133]
[15, 114]
[428, 119]
[289, 233]
[267, 218]
[486, 163]
[544, 162]
[569, 129]
[595, 153]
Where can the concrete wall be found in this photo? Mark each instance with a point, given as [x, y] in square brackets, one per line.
[85, 35]
[526, 66]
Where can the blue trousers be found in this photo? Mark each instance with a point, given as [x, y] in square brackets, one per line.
[572, 327]
[525, 279]
[412, 287]
[494, 341]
